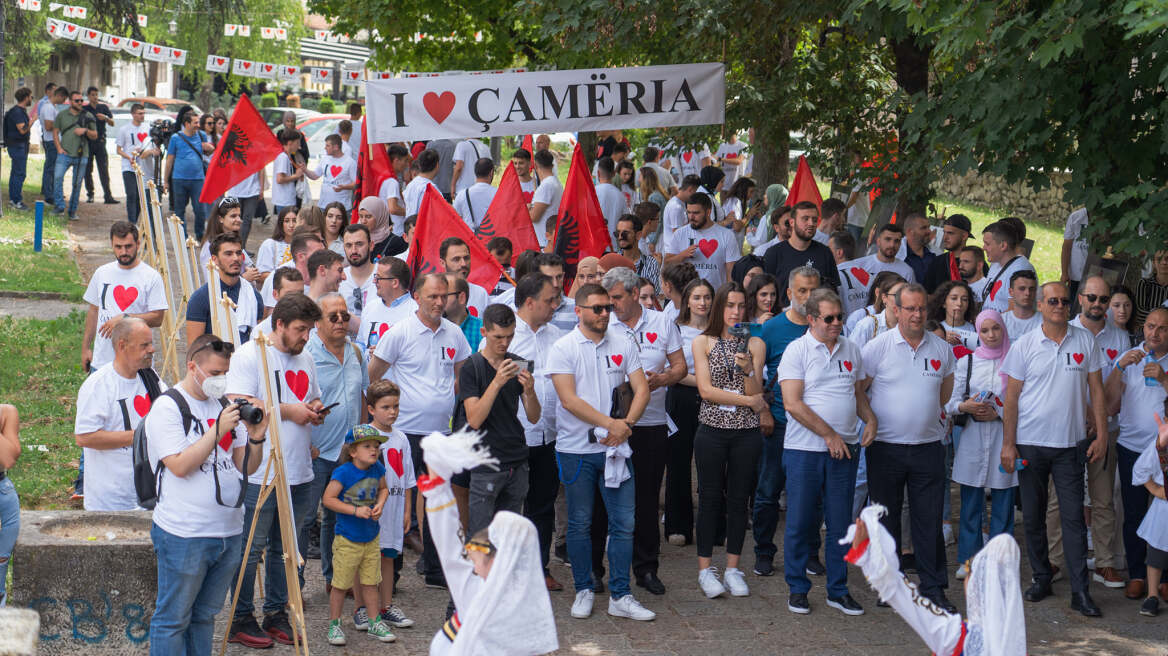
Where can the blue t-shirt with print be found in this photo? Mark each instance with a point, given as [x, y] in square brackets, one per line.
[358, 487]
[188, 156]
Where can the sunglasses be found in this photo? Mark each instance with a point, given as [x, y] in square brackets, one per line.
[339, 317]
[481, 547]
[832, 318]
[1091, 298]
[1058, 300]
[218, 346]
[622, 234]
[599, 309]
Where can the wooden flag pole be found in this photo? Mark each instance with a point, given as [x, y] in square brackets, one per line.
[279, 485]
[144, 218]
[184, 265]
[193, 255]
[170, 364]
[213, 293]
[227, 317]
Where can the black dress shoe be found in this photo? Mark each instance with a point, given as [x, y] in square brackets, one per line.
[1082, 602]
[650, 582]
[941, 601]
[1037, 592]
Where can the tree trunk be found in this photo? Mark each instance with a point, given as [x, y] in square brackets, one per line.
[588, 144]
[204, 97]
[771, 158]
[150, 69]
[912, 76]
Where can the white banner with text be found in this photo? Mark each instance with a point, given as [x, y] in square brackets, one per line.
[504, 104]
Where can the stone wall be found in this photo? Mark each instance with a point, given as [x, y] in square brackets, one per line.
[1046, 206]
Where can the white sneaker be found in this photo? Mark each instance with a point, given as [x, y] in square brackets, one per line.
[736, 582]
[708, 580]
[947, 531]
[962, 572]
[582, 607]
[628, 607]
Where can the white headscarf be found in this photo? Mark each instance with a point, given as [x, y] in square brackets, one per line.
[993, 600]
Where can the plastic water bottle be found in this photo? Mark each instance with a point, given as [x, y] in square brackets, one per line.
[1148, 380]
[1019, 465]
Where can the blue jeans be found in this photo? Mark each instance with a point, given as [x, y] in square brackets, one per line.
[194, 575]
[9, 528]
[64, 163]
[184, 191]
[771, 480]
[267, 535]
[969, 538]
[19, 155]
[583, 474]
[50, 170]
[322, 472]
[813, 476]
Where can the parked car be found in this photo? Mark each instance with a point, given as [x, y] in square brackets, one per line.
[168, 105]
[317, 128]
[274, 116]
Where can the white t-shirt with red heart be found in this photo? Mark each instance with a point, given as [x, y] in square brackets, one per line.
[731, 170]
[399, 478]
[377, 318]
[296, 383]
[716, 246]
[115, 291]
[856, 278]
[997, 294]
[109, 402]
[335, 171]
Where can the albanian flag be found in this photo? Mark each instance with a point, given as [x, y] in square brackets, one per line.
[581, 231]
[527, 144]
[437, 221]
[373, 166]
[804, 187]
[508, 217]
[248, 146]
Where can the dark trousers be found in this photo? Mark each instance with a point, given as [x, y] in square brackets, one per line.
[97, 154]
[18, 153]
[1065, 467]
[727, 472]
[682, 402]
[49, 170]
[247, 212]
[772, 478]
[1135, 504]
[650, 451]
[130, 183]
[920, 467]
[543, 483]
[431, 566]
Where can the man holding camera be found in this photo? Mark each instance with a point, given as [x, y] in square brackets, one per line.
[198, 522]
[490, 385]
[300, 409]
[72, 131]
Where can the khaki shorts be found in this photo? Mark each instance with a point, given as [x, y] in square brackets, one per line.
[353, 558]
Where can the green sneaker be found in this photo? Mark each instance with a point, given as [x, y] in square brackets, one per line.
[380, 630]
[335, 635]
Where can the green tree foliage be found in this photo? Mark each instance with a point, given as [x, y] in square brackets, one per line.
[1022, 89]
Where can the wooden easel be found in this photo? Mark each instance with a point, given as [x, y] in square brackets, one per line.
[193, 255]
[184, 266]
[169, 331]
[228, 315]
[213, 293]
[148, 250]
[288, 532]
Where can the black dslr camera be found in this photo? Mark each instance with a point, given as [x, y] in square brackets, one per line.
[160, 131]
[248, 413]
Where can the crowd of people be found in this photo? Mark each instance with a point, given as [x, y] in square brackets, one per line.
[802, 366]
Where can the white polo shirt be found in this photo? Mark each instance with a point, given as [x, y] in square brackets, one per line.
[997, 295]
[378, 318]
[1137, 426]
[829, 389]
[1052, 409]
[1016, 327]
[655, 338]
[906, 386]
[295, 377]
[421, 362]
[598, 368]
[717, 246]
[537, 345]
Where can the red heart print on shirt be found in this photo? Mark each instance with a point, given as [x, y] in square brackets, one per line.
[393, 458]
[335, 170]
[848, 365]
[381, 330]
[652, 337]
[473, 311]
[618, 358]
[1111, 353]
[708, 246]
[1078, 358]
[142, 137]
[936, 364]
[450, 353]
[438, 106]
[687, 156]
[999, 402]
[861, 275]
[297, 383]
[995, 289]
[124, 296]
[141, 405]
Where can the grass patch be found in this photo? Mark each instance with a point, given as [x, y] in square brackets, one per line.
[51, 270]
[20, 224]
[1048, 240]
[32, 177]
[42, 365]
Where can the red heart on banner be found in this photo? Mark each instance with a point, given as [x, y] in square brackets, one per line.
[267, 68]
[156, 49]
[936, 364]
[115, 40]
[618, 358]
[708, 246]
[450, 353]
[142, 136]
[687, 156]
[473, 311]
[52, 28]
[995, 289]
[218, 61]
[353, 75]
[124, 296]
[91, 34]
[1111, 353]
[291, 70]
[336, 170]
[141, 405]
[246, 65]
[176, 53]
[71, 27]
[393, 458]
[297, 383]
[133, 44]
[323, 74]
[848, 365]
[861, 275]
[438, 106]
[1078, 358]
[381, 330]
[652, 337]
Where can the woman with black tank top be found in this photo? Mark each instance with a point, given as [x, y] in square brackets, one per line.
[728, 440]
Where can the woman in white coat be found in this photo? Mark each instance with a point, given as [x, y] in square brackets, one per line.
[978, 388]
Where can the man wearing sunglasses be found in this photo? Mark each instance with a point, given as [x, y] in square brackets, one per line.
[820, 375]
[1052, 372]
[72, 130]
[1111, 342]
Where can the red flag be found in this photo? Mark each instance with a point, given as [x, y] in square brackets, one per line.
[248, 146]
[527, 144]
[373, 166]
[437, 220]
[581, 230]
[804, 187]
[508, 217]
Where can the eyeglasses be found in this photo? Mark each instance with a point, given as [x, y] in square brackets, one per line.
[339, 317]
[216, 345]
[1058, 300]
[832, 318]
[77, 100]
[1091, 298]
[623, 234]
[228, 200]
[599, 309]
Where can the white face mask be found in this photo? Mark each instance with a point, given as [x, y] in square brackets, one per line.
[213, 386]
